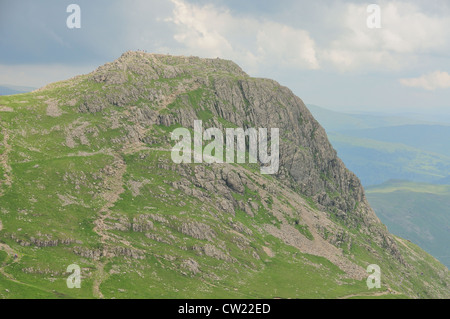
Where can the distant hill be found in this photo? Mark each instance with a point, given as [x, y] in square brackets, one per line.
[381, 147]
[431, 138]
[334, 121]
[375, 162]
[416, 211]
[6, 89]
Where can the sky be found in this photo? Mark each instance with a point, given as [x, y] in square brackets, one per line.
[323, 50]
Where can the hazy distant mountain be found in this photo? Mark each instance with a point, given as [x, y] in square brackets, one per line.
[6, 89]
[334, 121]
[415, 211]
[379, 148]
[430, 138]
[375, 162]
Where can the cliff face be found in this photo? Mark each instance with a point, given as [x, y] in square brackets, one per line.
[308, 161]
[88, 160]
[220, 89]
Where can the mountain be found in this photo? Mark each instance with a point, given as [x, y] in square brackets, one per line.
[88, 179]
[415, 211]
[6, 89]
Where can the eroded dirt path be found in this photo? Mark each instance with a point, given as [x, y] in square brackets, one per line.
[5, 162]
[372, 294]
[111, 195]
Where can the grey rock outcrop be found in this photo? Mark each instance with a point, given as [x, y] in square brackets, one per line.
[308, 162]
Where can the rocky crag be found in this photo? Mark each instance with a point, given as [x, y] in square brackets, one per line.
[87, 178]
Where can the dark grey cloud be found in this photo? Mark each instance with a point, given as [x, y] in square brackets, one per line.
[35, 31]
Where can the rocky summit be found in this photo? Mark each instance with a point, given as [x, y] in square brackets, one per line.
[87, 179]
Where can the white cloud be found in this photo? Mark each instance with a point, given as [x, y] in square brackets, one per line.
[430, 81]
[215, 32]
[407, 32]
[289, 46]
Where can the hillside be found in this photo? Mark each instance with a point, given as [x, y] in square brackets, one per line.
[87, 178]
[416, 211]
